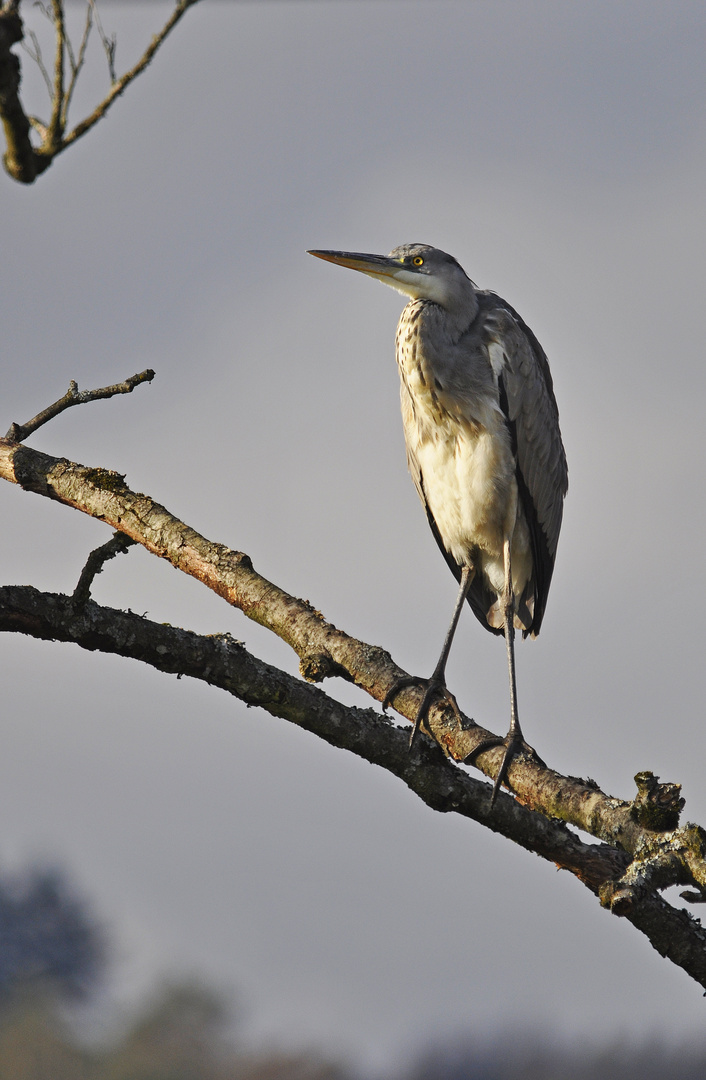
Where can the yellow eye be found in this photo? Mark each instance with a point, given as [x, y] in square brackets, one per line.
[418, 260]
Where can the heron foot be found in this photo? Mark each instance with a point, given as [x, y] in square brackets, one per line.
[435, 688]
[514, 744]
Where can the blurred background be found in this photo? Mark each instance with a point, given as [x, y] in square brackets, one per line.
[557, 151]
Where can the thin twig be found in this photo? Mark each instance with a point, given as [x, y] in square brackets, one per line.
[124, 81]
[37, 57]
[76, 62]
[70, 52]
[109, 43]
[117, 545]
[74, 396]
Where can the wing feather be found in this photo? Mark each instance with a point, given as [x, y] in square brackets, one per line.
[527, 398]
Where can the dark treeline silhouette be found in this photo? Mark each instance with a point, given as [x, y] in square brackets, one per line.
[53, 954]
[527, 1055]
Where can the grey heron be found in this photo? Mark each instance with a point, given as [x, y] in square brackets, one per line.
[484, 449]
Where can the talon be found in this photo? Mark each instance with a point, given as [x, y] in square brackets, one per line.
[435, 687]
[514, 744]
[486, 744]
[398, 684]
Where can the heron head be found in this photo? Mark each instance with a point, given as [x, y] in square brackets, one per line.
[416, 270]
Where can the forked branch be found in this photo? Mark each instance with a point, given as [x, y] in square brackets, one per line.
[74, 396]
[117, 545]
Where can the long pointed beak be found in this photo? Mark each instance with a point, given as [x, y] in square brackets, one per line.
[379, 266]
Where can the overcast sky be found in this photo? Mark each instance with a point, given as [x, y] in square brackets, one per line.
[557, 150]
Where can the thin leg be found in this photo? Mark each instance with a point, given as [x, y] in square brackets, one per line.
[509, 620]
[514, 738]
[436, 685]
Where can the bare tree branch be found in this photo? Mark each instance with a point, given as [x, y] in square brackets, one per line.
[74, 396]
[76, 62]
[109, 43]
[223, 662]
[220, 661]
[117, 545]
[38, 59]
[22, 161]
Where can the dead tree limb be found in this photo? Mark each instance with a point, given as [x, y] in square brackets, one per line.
[74, 396]
[117, 545]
